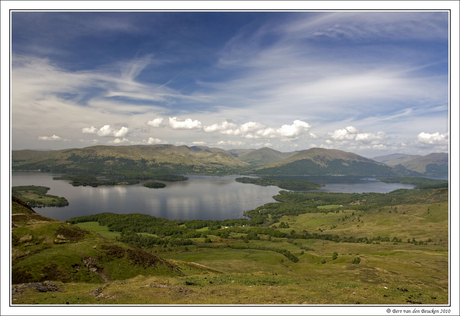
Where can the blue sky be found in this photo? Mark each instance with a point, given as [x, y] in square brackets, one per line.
[373, 83]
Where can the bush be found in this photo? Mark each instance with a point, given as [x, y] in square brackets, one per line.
[323, 261]
[356, 260]
[335, 255]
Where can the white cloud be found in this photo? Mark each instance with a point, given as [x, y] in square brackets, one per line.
[106, 130]
[267, 133]
[122, 132]
[256, 130]
[230, 142]
[174, 123]
[89, 130]
[249, 127]
[351, 133]
[155, 122]
[294, 130]
[224, 126]
[435, 138]
[197, 143]
[344, 134]
[119, 141]
[154, 141]
[369, 137]
[52, 138]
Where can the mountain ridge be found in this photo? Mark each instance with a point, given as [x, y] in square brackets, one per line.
[320, 161]
[264, 156]
[166, 158]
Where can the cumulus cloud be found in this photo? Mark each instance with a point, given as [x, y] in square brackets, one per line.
[256, 130]
[174, 123]
[369, 137]
[294, 130]
[435, 138]
[198, 143]
[352, 133]
[152, 141]
[155, 122]
[106, 130]
[122, 132]
[224, 126]
[347, 133]
[230, 142]
[118, 141]
[89, 130]
[52, 138]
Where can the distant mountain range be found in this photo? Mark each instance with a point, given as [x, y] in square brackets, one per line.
[319, 161]
[264, 156]
[139, 159]
[432, 165]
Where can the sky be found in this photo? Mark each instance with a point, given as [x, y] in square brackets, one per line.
[369, 82]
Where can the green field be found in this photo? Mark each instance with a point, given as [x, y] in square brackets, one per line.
[101, 230]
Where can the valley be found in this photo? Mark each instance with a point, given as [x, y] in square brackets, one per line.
[304, 248]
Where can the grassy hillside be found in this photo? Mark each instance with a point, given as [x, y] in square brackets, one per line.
[435, 165]
[395, 159]
[264, 156]
[49, 250]
[130, 160]
[239, 152]
[318, 161]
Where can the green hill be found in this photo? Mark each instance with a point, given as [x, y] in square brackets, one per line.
[130, 160]
[434, 165]
[45, 249]
[264, 156]
[318, 161]
[395, 159]
[239, 152]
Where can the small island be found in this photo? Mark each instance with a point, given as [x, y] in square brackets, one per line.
[282, 184]
[154, 185]
[88, 180]
[35, 196]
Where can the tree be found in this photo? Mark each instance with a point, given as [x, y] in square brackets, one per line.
[335, 255]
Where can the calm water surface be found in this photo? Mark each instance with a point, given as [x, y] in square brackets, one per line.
[200, 197]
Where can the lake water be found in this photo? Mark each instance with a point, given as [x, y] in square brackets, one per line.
[200, 197]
